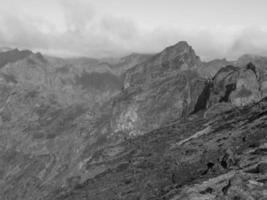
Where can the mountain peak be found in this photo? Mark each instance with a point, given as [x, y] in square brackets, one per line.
[180, 53]
[181, 44]
[13, 56]
[179, 49]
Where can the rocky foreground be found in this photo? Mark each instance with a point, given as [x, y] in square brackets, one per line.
[222, 157]
[163, 126]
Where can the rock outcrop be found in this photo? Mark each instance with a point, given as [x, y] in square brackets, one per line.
[235, 86]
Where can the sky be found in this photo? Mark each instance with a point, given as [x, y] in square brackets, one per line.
[110, 28]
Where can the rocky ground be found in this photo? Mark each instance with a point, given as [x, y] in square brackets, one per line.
[222, 157]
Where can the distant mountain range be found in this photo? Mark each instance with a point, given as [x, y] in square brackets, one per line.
[161, 126]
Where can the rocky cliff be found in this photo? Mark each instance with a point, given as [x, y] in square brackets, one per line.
[233, 87]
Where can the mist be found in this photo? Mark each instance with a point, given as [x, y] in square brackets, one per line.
[73, 29]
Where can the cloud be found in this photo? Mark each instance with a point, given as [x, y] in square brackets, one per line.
[250, 40]
[75, 28]
[78, 14]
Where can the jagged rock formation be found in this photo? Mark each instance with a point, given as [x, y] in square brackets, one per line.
[139, 127]
[172, 60]
[164, 88]
[233, 86]
[239, 86]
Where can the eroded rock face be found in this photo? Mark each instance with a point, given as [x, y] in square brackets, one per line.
[166, 100]
[239, 86]
[233, 86]
[172, 60]
[162, 89]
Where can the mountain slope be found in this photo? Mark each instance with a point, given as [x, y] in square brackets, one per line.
[223, 157]
[161, 89]
[69, 84]
[71, 130]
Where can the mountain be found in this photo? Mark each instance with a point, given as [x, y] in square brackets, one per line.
[67, 82]
[210, 68]
[13, 56]
[179, 57]
[159, 90]
[159, 126]
[116, 66]
[123, 64]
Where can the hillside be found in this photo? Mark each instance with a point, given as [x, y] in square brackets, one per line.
[160, 126]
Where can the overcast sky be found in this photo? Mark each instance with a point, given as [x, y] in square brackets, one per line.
[104, 28]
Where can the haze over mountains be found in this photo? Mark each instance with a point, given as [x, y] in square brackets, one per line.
[159, 126]
[110, 29]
